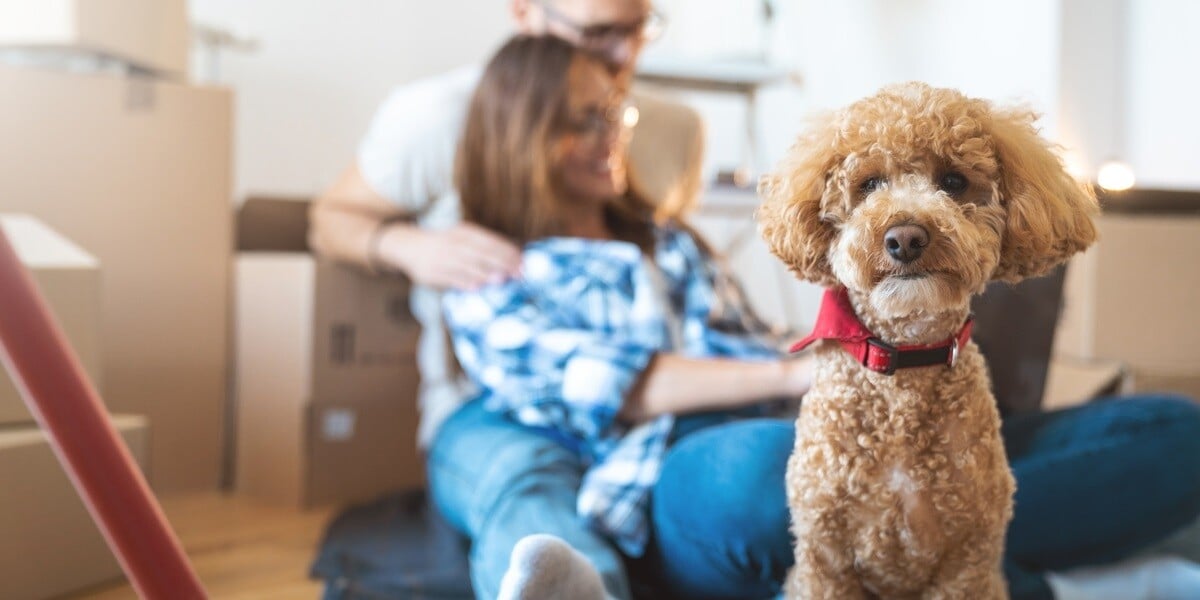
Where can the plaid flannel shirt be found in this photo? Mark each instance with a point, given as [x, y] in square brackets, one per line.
[561, 346]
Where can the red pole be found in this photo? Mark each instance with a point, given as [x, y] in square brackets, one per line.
[69, 410]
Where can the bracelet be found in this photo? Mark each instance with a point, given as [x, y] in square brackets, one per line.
[374, 264]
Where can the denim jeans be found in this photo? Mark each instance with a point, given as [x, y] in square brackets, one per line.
[1094, 483]
[497, 481]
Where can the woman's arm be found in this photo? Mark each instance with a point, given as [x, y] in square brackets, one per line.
[677, 385]
[741, 365]
[531, 357]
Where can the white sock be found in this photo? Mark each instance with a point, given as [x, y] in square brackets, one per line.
[544, 567]
[1148, 578]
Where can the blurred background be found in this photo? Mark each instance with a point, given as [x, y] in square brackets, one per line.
[1106, 74]
[259, 384]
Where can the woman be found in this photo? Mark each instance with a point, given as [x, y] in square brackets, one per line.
[600, 366]
[617, 325]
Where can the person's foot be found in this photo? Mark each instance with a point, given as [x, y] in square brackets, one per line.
[544, 567]
[1151, 578]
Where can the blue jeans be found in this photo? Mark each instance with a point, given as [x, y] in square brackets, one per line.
[497, 481]
[1094, 483]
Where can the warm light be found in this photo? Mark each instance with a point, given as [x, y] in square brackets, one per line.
[630, 117]
[1115, 176]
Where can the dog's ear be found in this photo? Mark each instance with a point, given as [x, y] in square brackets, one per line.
[792, 216]
[1049, 213]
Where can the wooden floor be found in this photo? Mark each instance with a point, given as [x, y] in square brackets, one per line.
[241, 550]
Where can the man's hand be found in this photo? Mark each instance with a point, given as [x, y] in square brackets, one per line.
[465, 256]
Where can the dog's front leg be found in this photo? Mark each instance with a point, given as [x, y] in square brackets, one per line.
[824, 569]
[973, 572]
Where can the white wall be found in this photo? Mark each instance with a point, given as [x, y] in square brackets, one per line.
[1112, 77]
[713, 28]
[304, 98]
[1094, 65]
[1128, 90]
[1162, 120]
[847, 49]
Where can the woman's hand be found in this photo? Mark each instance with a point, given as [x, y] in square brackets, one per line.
[798, 374]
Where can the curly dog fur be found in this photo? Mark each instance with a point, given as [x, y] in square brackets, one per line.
[898, 485]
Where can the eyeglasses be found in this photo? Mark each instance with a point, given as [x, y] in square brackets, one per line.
[603, 36]
[597, 124]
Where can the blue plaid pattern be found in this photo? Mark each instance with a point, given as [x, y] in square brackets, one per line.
[560, 348]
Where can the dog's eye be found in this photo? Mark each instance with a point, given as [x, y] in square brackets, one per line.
[953, 183]
[870, 185]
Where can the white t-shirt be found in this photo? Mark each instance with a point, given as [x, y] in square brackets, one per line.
[407, 157]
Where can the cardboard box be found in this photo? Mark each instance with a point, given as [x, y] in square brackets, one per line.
[69, 280]
[139, 172]
[152, 35]
[326, 378]
[1073, 382]
[1133, 296]
[49, 544]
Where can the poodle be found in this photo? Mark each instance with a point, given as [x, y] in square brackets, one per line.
[904, 205]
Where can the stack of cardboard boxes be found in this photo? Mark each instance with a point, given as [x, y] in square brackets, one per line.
[106, 145]
[134, 164]
[48, 542]
[147, 35]
[1130, 301]
[325, 369]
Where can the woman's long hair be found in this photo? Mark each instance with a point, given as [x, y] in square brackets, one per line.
[504, 167]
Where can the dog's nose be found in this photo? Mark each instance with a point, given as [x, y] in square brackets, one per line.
[906, 242]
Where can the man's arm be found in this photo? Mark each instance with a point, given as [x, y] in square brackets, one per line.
[402, 167]
[346, 217]
[354, 224]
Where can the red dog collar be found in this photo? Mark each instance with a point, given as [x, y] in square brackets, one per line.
[836, 321]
